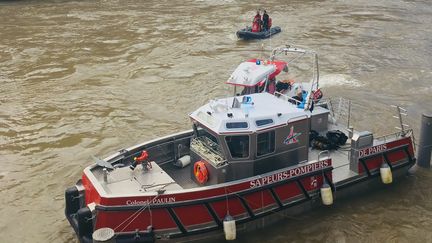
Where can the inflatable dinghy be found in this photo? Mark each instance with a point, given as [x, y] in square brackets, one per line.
[247, 33]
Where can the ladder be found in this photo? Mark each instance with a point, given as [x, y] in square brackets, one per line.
[343, 112]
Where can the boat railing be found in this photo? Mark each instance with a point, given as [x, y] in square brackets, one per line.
[324, 153]
[156, 147]
[403, 128]
[394, 136]
[342, 114]
[286, 98]
[326, 103]
[400, 113]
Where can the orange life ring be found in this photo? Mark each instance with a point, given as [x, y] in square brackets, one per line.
[200, 172]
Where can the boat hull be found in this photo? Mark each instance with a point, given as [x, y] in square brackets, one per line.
[195, 214]
[359, 187]
[247, 33]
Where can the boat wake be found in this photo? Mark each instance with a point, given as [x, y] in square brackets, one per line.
[339, 80]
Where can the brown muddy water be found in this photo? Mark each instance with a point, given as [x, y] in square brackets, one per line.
[82, 78]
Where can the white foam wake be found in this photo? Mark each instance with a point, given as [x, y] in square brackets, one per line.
[338, 80]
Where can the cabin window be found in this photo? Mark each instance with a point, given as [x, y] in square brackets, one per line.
[238, 146]
[207, 139]
[236, 125]
[265, 143]
[204, 133]
[263, 122]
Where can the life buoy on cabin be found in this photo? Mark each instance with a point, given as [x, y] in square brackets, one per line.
[200, 172]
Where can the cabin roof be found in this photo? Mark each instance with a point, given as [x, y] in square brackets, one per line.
[254, 71]
[250, 113]
[250, 73]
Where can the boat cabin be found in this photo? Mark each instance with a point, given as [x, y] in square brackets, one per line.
[244, 136]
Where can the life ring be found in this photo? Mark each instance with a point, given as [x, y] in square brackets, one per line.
[200, 172]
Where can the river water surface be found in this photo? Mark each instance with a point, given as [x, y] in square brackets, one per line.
[82, 78]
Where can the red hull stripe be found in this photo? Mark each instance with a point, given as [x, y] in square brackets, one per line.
[187, 215]
[394, 153]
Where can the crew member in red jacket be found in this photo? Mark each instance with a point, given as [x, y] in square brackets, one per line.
[256, 24]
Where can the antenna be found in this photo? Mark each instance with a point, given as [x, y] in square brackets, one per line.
[262, 51]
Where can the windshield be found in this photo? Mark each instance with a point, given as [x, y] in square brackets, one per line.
[207, 145]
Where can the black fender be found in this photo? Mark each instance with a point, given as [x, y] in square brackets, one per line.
[85, 223]
[72, 200]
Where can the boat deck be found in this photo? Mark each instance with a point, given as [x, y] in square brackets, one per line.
[167, 176]
[125, 181]
[340, 162]
[181, 176]
[340, 157]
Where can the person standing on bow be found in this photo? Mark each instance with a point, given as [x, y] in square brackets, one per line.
[256, 24]
[265, 21]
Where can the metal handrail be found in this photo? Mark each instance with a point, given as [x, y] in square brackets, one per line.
[395, 135]
[289, 99]
[323, 152]
[401, 112]
[315, 75]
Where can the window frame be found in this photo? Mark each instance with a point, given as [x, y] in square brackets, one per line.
[249, 146]
[236, 128]
[274, 143]
[267, 124]
[199, 127]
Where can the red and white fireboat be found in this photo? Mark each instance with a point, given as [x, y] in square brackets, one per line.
[275, 148]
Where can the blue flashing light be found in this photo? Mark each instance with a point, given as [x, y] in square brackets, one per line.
[247, 100]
